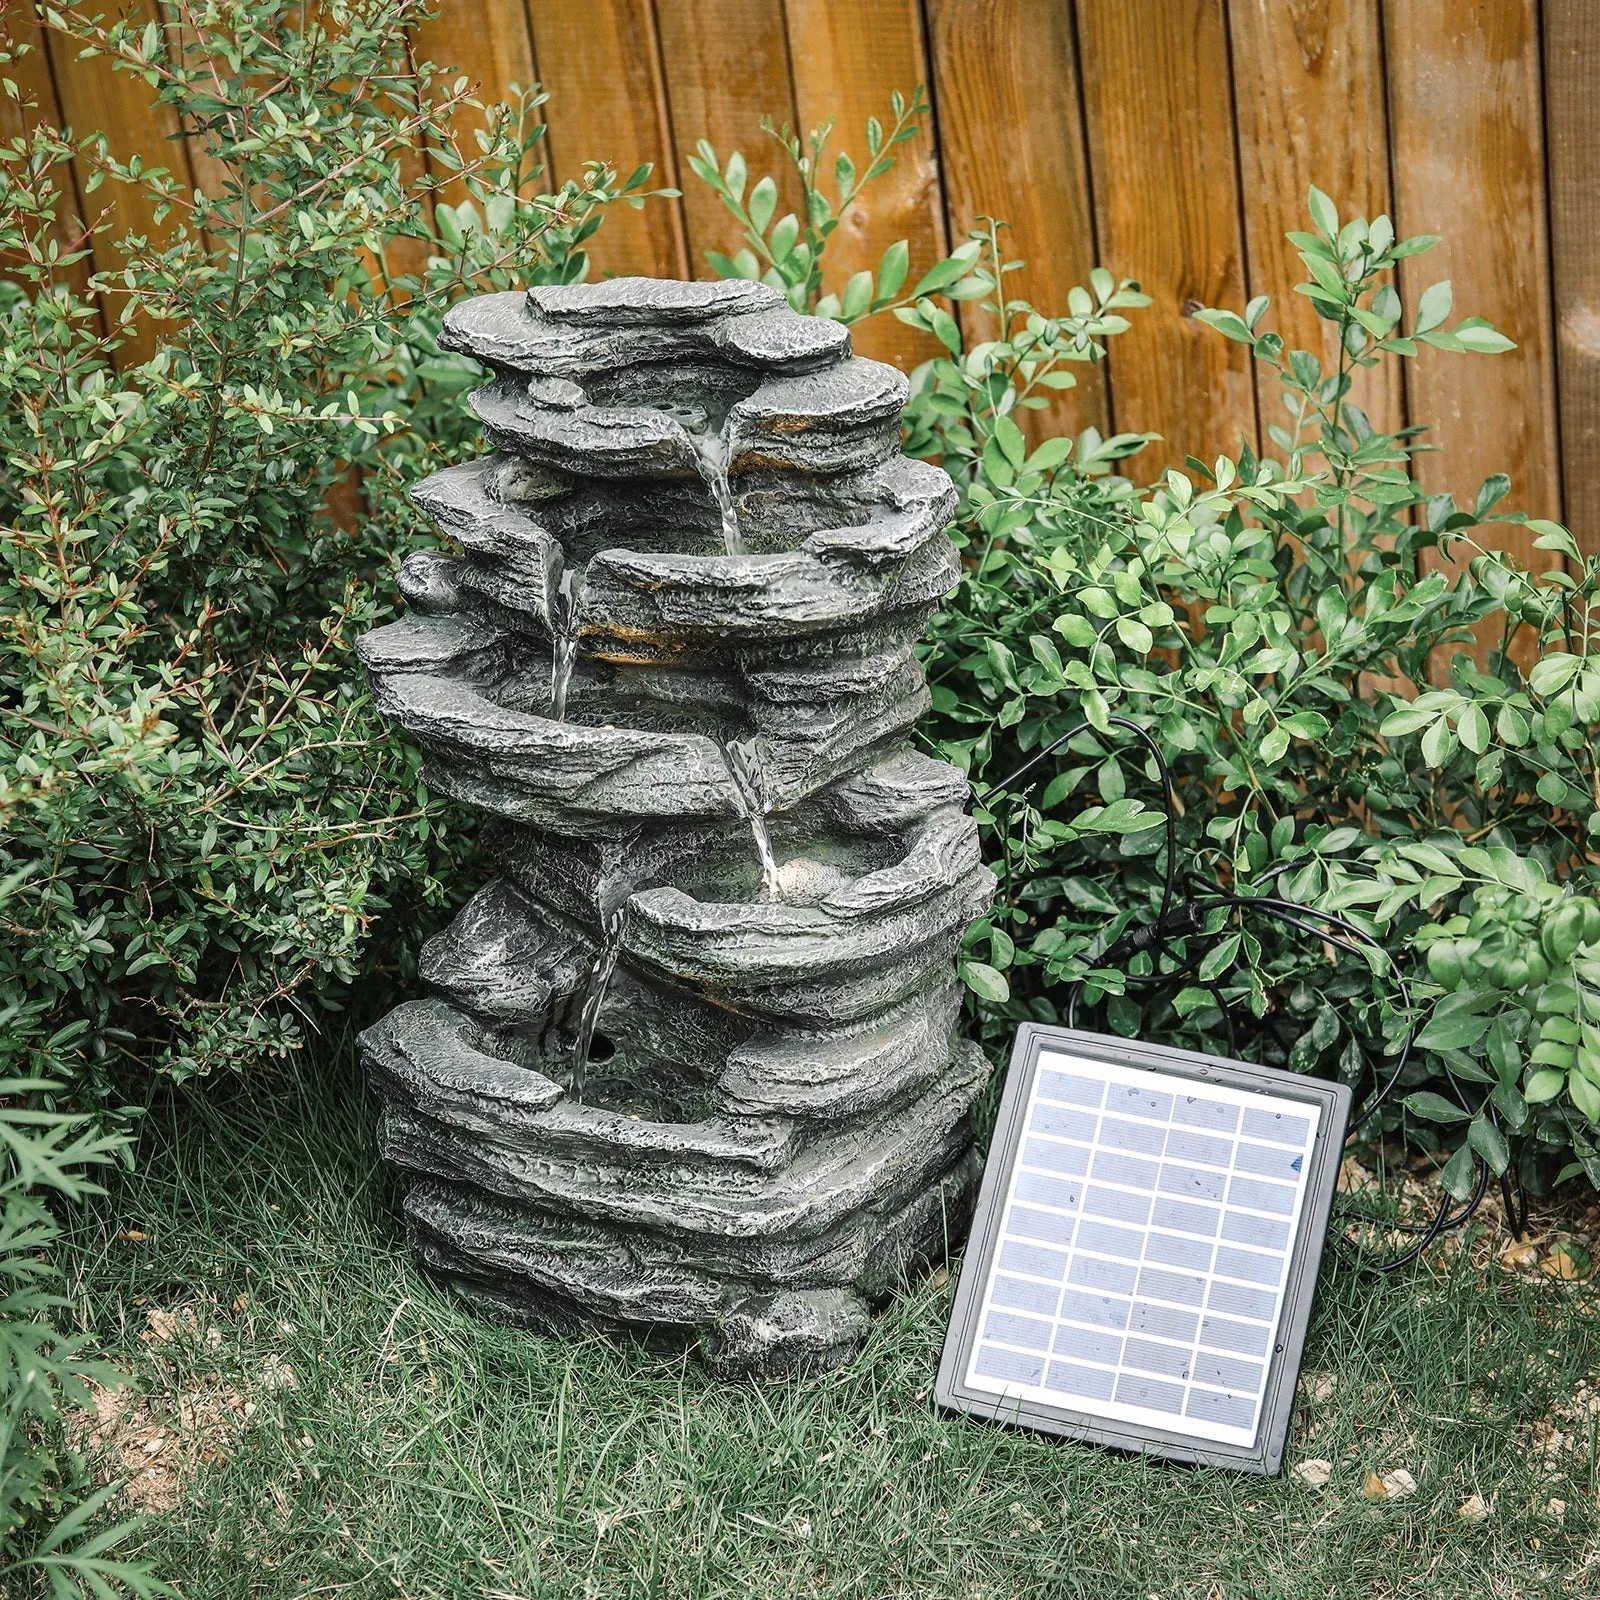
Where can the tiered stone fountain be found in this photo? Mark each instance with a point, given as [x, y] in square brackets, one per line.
[691, 1062]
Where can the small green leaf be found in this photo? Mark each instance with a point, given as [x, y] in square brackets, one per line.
[1323, 213]
[1543, 1087]
[1135, 635]
[1433, 1107]
[1459, 1174]
[985, 982]
[1433, 307]
[1490, 1143]
[762, 203]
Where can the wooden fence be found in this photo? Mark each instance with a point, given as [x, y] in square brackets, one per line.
[1169, 140]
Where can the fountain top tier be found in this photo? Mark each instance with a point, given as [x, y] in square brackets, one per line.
[639, 378]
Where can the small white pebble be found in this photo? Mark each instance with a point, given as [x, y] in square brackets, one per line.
[1314, 1474]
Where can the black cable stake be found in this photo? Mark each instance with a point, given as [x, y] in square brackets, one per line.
[1186, 917]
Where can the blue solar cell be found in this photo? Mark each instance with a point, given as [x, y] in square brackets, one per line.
[1184, 1144]
[1113, 1276]
[1250, 1264]
[1110, 1241]
[1172, 1286]
[1098, 1310]
[1040, 1225]
[1228, 1372]
[1194, 1183]
[1075, 1091]
[1117, 1204]
[1034, 1260]
[1064, 1122]
[1170, 1360]
[1114, 1167]
[1045, 1191]
[1260, 1124]
[1145, 1138]
[1207, 1405]
[1163, 1322]
[1022, 1294]
[1237, 1301]
[1261, 1195]
[1057, 1157]
[1242, 1228]
[1244, 1338]
[1010, 1366]
[1009, 1328]
[1090, 1382]
[1133, 1390]
[1089, 1344]
[1131, 1102]
[1184, 1217]
[1173, 1250]
[1195, 1112]
[1268, 1161]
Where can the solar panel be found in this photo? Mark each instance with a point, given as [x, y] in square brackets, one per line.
[1145, 1248]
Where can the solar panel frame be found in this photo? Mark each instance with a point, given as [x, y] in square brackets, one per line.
[1264, 1455]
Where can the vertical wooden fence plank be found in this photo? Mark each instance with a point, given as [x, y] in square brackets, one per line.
[1572, 119]
[1465, 118]
[96, 99]
[29, 69]
[1308, 85]
[601, 63]
[1005, 74]
[1161, 144]
[488, 42]
[727, 67]
[848, 56]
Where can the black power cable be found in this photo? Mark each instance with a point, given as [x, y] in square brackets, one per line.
[1184, 918]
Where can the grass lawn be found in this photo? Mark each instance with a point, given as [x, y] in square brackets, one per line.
[314, 1418]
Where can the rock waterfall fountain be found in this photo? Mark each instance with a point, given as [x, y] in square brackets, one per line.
[690, 1063]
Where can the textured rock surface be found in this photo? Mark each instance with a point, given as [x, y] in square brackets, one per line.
[690, 1065]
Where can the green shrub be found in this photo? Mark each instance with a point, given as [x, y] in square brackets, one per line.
[201, 818]
[1244, 614]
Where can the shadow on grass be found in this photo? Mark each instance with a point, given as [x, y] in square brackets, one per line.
[339, 1426]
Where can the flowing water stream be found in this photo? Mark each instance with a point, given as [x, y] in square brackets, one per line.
[752, 784]
[712, 456]
[613, 884]
[565, 614]
[594, 996]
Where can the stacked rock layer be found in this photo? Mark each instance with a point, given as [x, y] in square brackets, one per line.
[690, 1064]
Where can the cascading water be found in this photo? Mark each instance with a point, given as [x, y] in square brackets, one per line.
[712, 455]
[565, 615]
[749, 768]
[594, 995]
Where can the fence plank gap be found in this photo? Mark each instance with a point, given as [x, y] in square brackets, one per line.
[95, 98]
[601, 64]
[488, 42]
[847, 59]
[727, 67]
[1465, 117]
[1155, 76]
[1308, 87]
[1006, 150]
[1572, 117]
